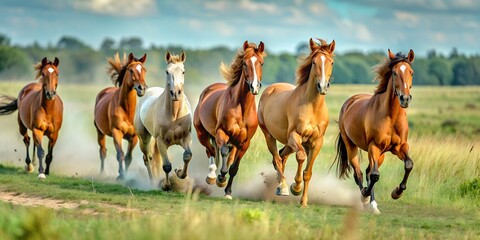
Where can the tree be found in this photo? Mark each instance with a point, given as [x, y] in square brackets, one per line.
[4, 40]
[441, 70]
[463, 73]
[107, 44]
[71, 43]
[130, 44]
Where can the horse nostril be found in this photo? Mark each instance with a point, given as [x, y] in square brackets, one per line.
[411, 97]
[401, 98]
[319, 86]
[328, 84]
[179, 92]
[171, 92]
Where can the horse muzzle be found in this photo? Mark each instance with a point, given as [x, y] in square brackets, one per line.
[175, 95]
[323, 88]
[50, 95]
[140, 89]
[405, 100]
[255, 88]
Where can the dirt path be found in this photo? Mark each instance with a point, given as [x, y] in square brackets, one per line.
[26, 200]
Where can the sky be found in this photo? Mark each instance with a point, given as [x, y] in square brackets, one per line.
[355, 25]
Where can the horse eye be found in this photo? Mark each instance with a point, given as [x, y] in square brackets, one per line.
[166, 72]
[332, 63]
[183, 72]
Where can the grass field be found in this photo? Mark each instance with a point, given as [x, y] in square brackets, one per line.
[442, 200]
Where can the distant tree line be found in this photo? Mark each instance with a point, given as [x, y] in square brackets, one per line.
[80, 63]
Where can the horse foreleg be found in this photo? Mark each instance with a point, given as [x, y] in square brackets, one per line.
[51, 143]
[373, 175]
[295, 142]
[146, 150]
[117, 141]
[167, 165]
[37, 138]
[222, 142]
[237, 155]
[403, 155]
[282, 189]
[307, 173]
[131, 145]
[187, 156]
[284, 154]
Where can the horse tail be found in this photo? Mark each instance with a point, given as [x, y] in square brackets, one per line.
[8, 105]
[343, 167]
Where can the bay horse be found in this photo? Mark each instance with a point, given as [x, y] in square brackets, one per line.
[115, 108]
[165, 115]
[40, 110]
[297, 116]
[378, 124]
[226, 118]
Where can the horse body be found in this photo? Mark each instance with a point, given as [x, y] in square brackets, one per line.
[298, 117]
[40, 109]
[165, 115]
[377, 124]
[225, 117]
[115, 108]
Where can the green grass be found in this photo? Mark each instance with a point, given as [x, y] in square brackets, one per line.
[441, 200]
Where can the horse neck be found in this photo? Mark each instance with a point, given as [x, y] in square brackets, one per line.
[309, 90]
[241, 95]
[127, 98]
[389, 103]
[173, 108]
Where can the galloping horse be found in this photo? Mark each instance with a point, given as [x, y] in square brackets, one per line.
[226, 118]
[377, 123]
[115, 107]
[298, 117]
[40, 109]
[165, 116]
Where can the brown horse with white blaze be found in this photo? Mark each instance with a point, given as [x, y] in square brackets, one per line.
[115, 108]
[226, 116]
[378, 124]
[40, 109]
[297, 116]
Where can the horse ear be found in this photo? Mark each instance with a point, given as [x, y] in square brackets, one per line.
[261, 47]
[44, 61]
[183, 57]
[56, 62]
[168, 56]
[313, 45]
[130, 57]
[143, 59]
[411, 56]
[332, 46]
[245, 45]
[390, 54]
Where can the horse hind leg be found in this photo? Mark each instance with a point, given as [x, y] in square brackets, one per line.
[187, 156]
[236, 156]
[211, 149]
[26, 141]
[37, 137]
[101, 139]
[167, 165]
[295, 142]
[282, 188]
[131, 145]
[370, 203]
[49, 157]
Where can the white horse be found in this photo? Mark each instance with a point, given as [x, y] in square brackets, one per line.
[165, 115]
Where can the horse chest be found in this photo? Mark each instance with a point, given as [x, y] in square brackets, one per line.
[173, 133]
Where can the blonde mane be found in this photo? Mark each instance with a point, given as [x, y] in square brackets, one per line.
[233, 73]
[117, 69]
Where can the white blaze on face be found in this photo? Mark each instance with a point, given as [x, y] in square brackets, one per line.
[50, 70]
[402, 68]
[255, 77]
[139, 68]
[322, 82]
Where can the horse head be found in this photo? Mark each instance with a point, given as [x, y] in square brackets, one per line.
[322, 64]
[49, 73]
[402, 76]
[252, 65]
[137, 73]
[175, 74]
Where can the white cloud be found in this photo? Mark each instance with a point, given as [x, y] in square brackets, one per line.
[259, 6]
[117, 7]
[410, 18]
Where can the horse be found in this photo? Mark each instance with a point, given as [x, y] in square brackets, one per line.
[297, 116]
[378, 124]
[115, 108]
[40, 109]
[165, 116]
[225, 117]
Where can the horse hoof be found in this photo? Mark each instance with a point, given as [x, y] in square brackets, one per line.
[29, 168]
[282, 191]
[179, 174]
[295, 193]
[210, 180]
[221, 184]
[41, 176]
[166, 187]
[395, 195]
[228, 196]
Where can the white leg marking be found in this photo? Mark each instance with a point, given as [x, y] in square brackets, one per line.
[212, 168]
[374, 208]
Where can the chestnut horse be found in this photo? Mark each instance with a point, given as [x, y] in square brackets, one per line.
[115, 107]
[40, 109]
[226, 117]
[297, 116]
[378, 124]
[165, 115]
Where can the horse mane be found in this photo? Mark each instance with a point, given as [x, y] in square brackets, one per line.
[38, 69]
[117, 69]
[303, 71]
[233, 73]
[174, 59]
[383, 71]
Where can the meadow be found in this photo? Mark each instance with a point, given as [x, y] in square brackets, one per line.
[442, 199]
